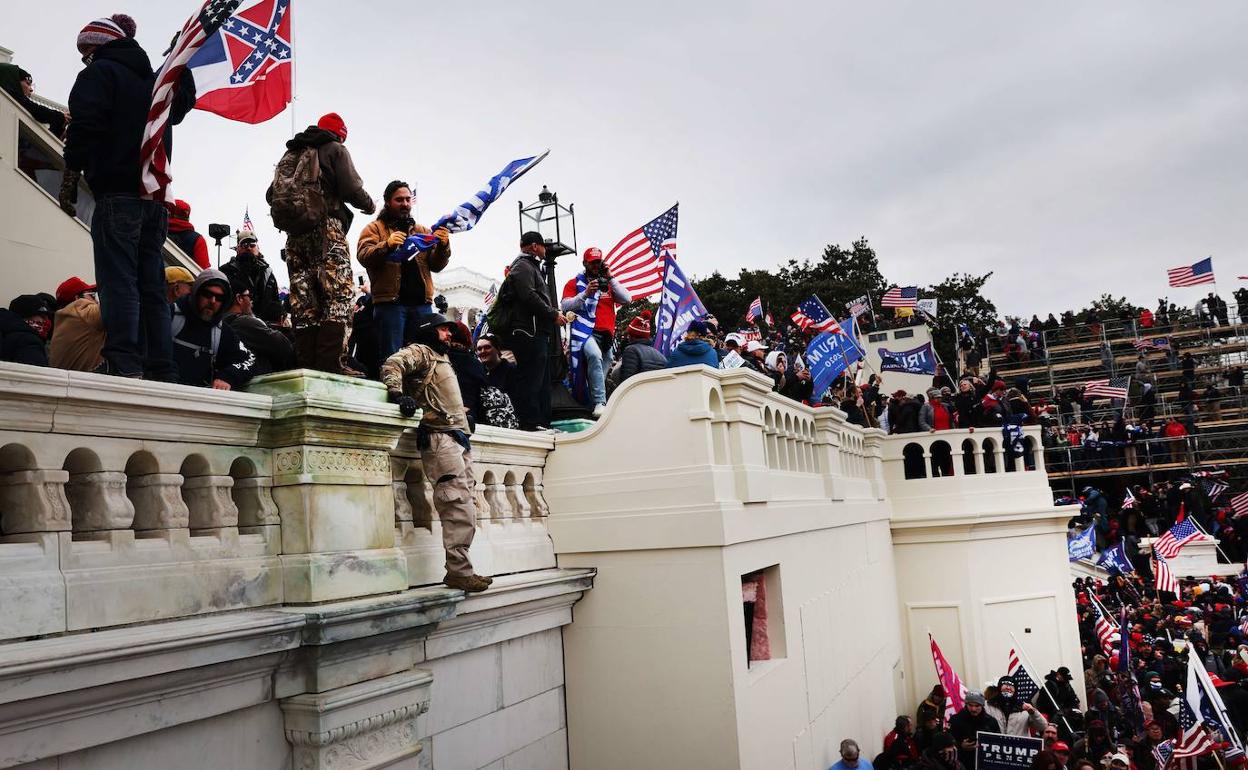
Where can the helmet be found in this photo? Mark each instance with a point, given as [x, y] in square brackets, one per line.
[431, 322]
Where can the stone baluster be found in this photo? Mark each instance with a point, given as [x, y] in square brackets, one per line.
[537, 500]
[34, 501]
[517, 500]
[158, 502]
[496, 497]
[402, 505]
[211, 504]
[98, 501]
[253, 496]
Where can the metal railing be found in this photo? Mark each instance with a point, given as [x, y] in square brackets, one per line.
[1150, 456]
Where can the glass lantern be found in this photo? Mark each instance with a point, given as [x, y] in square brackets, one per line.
[555, 221]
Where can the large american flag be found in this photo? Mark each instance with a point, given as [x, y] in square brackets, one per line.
[1182, 533]
[813, 315]
[1213, 487]
[1024, 686]
[755, 309]
[153, 158]
[900, 296]
[1128, 500]
[1191, 275]
[1239, 504]
[1114, 387]
[1165, 580]
[638, 259]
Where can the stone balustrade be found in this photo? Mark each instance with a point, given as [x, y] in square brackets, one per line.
[126, 501]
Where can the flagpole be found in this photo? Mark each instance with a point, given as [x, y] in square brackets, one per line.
[1032, 667]
[1196, 523]
[1202, 678]
[294, 63]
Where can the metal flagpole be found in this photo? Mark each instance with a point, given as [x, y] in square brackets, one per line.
[294, 63]
[1057, 707]
[1206, 684]
[1196, 523]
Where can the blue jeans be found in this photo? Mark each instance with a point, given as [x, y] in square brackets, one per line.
[597, 362]
[127, 234]
[396, 325]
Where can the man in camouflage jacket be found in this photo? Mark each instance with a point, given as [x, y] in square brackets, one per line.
[420, 376]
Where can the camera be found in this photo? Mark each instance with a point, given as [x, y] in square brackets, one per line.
[218, 231]
[604, 283]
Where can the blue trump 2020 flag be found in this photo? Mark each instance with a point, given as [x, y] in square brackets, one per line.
[1116, 559]
[920, 360]
[679, 306]
[465, 217]
[831, 353]
[1082, 545]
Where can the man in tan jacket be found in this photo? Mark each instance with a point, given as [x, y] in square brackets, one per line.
[402, 289]
[420, 376]
[78, 332]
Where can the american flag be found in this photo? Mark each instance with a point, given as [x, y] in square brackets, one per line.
[755, 310]
[813, 315]
[1239, 504]
[900, 296]
[153, 158]
[488, 302]
[1213, 487]
[1164, 577]
[638, 259]
[1024, 686]
[1182, 533]
[1104, 628]
[1128, 500]
[1114, 387]
[1191, 275]
[247, 225]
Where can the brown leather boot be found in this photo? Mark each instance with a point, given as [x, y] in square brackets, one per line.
[471, 584]
[331, 346]
[305, 347]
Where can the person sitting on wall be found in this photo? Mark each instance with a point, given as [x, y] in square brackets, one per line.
[78, 332]
[273, 350]
[24, 329]
[207, 352]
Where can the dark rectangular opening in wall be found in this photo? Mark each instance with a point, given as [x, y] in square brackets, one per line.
[878, 337]
[902, 334]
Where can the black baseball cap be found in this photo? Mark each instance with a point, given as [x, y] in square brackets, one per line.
[532, 238]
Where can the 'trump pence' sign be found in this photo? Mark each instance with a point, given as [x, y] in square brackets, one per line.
[1005, 752]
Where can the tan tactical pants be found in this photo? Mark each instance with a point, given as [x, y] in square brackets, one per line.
[448, 466]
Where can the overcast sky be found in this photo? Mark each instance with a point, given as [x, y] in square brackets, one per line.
[1072, 148]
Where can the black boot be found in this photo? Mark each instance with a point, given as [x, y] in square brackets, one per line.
[305, 347]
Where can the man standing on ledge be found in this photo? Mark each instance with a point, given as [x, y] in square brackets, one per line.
[420, 376]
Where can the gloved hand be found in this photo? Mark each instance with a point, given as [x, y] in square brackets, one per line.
[443, 235]
[69, 192]
[407, 250]
[396, 239]
[407, 404]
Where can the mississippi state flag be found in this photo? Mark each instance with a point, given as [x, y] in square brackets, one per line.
[244, 71]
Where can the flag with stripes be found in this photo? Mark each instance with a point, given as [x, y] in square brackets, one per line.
[580, 330]
[1239, 504]
[1163, 578]
[1213, 488]
[247, 225]
[1128, 500]
[813, 316]
[153, 157]
[1114, 387]
[755, 310]
[488, 301]
[955, 691]
[1182, 533]
[639, 259]
[900, 296]
[1024, 686]
[1104, 628]
[1191, 275]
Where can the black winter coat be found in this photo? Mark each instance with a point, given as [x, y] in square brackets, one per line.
[18, 342]
[265, 302]
[272, 349]
[471, 376]
[523, 306]
[640, 356]
[109, 103]
[192, 345]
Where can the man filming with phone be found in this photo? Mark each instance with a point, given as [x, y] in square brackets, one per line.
[595, 294]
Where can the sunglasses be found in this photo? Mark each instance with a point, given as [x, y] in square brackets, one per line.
[248, 244]
[213, 295]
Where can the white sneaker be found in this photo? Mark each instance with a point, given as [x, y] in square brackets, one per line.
[598, 410]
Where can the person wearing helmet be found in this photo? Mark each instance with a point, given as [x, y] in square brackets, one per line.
[421, 376]
[594, 294]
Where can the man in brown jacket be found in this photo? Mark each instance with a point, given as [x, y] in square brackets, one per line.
[402, 289]
[420, 376]
[78, 332]
[322, 286]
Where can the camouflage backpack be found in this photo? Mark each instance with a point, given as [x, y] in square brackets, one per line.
[296, 200]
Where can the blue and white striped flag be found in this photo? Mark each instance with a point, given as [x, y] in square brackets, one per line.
[465, 217]
[580, 331]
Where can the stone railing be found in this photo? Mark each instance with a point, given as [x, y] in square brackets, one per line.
[125, 501]
[967, 464]
[699, 446]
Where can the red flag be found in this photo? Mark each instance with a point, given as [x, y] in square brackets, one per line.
[955, 693]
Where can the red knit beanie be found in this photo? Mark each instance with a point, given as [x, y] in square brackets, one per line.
[639, 327]
[332, 122]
